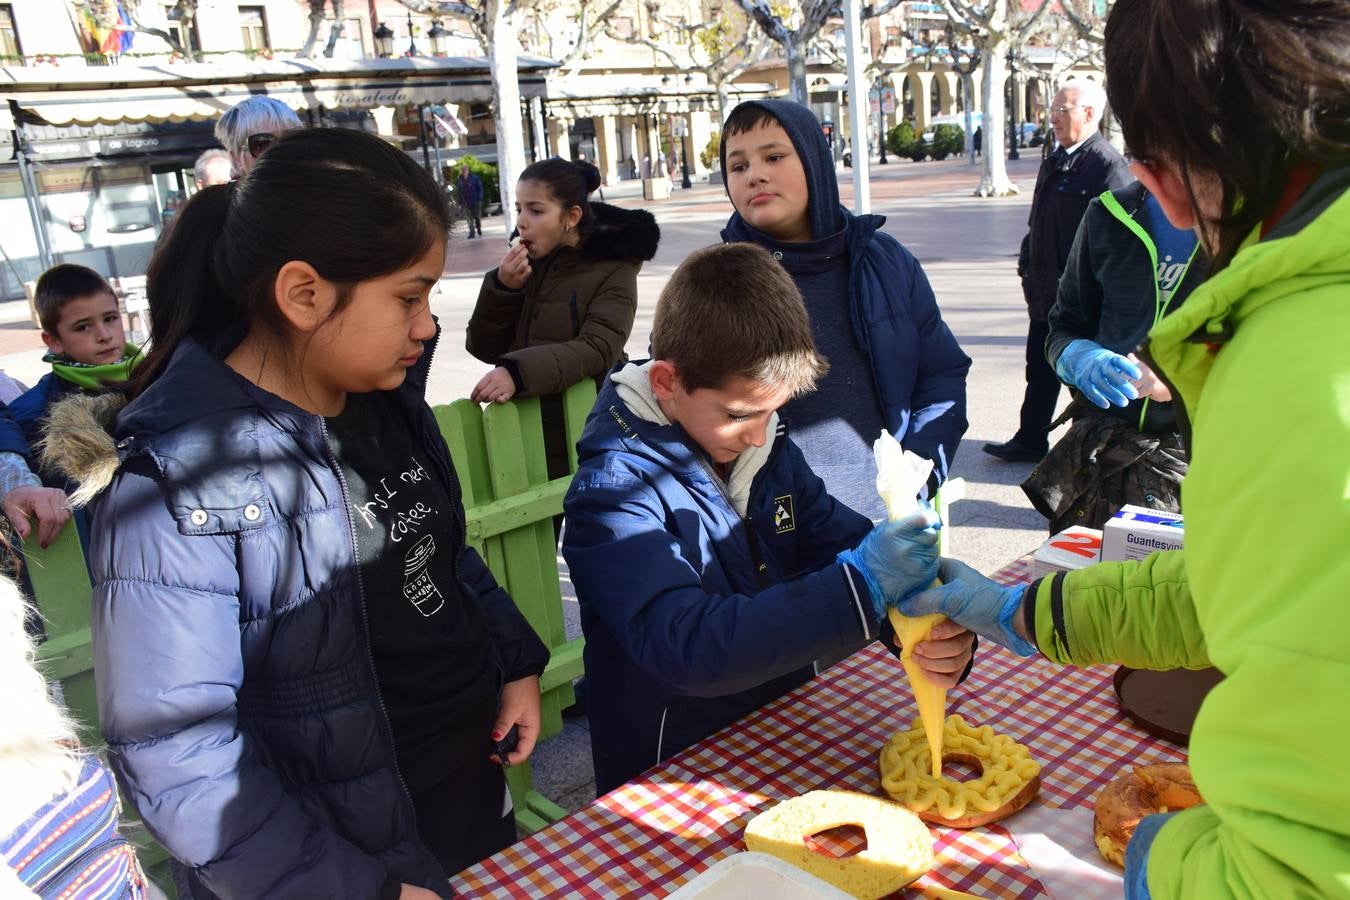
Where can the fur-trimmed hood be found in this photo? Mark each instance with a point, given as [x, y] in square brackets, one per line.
[78, 442]
[621, 234]
[198, 409]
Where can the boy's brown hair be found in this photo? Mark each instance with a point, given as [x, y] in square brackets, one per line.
[747, 117]
[61, 284]
[731, 310]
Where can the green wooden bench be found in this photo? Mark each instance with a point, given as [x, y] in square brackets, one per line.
[509, 505]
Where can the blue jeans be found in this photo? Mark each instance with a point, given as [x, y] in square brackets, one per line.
[1136, 856]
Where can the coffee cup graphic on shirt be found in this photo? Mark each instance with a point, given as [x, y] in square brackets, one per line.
[417, 584]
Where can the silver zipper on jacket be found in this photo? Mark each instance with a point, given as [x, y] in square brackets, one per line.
[661, 734]
[365, 620]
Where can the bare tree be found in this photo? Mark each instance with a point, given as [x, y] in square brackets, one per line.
[721, 49]
[1085, 46]
[996, 32]
[810, 16]
[965, 63]
[316, 20]
[592, 18]
[879, 66]
[496, 25]
[1089, 22]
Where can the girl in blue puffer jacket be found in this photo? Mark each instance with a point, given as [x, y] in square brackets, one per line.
[301, 666]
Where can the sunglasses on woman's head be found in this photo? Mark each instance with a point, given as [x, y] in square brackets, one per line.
[257, 143]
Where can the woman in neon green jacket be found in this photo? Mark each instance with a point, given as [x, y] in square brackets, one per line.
[1238, 114]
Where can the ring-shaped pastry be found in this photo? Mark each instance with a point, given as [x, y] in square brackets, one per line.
[1008, 780]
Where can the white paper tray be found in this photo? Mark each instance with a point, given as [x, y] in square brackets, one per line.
[755, 876]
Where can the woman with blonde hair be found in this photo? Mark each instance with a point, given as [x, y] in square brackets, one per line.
[58, 804]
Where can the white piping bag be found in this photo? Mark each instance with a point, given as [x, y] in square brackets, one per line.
[900, 476]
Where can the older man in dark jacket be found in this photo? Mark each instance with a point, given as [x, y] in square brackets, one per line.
[1081, 168]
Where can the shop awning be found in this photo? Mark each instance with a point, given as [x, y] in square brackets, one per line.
[615, 95]
[175, 93]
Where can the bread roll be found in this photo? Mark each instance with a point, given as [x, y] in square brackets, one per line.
[899, 847]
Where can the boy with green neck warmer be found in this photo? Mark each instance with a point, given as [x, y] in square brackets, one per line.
[87, 349]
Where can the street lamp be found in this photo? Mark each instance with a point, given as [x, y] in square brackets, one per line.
[881, 120]
[384, 41]
[412, 44]
[1012, 106]
[437, 36]
[684, 157]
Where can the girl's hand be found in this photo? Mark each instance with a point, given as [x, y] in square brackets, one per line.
[943, 657]
[1149, 384]
[413, 892]
[514, 269]
[496, 386]
[47, 505]
[519, 707]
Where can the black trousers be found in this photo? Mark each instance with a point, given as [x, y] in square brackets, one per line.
[473, 212]
[1038, 406]
[460, 820]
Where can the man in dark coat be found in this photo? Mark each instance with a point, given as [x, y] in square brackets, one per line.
[470, 188]
[1081, 168]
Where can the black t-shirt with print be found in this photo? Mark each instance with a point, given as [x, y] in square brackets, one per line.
[430, 642]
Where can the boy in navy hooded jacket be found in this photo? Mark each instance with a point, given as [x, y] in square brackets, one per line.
[711, 565]
[894, 364]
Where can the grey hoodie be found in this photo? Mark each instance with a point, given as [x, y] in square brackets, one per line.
[633, 385]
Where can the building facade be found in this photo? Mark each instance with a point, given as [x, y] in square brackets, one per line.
[100, 127]
[101, 123]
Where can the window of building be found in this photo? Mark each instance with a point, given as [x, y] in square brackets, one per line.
[184, 28]
[253, 24]
[10, 50]
[623, 26]
[352, 44]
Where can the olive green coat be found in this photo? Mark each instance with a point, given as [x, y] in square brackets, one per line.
[574, 314]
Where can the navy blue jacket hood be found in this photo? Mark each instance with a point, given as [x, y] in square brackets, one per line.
[826, 214]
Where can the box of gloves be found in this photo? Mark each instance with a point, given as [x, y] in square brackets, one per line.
[1072, 548]
[1137, 531]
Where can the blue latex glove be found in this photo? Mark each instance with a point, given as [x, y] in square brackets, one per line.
[897, 558]
[1102, 376]
[974, 602]
[1136, 855]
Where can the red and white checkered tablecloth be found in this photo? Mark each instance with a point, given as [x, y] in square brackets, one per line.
[652, 835]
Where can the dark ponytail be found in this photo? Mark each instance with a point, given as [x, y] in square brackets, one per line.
[182, 266]
[348, 203]
[569, 183]
[1243, 89]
